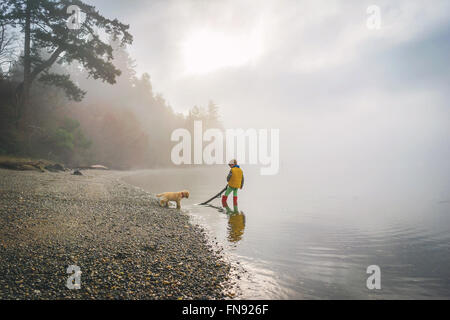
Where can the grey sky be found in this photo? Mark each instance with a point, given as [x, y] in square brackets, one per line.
[311, 52]
[341, 94]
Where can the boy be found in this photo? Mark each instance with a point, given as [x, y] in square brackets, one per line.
[235, 181]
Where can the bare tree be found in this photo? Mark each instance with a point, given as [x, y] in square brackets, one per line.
[7, 48]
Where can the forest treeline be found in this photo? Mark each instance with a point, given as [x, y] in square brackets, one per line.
[75, 97]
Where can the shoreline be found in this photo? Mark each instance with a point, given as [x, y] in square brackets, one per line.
[126, 246]
[236, 271]
[242, 276]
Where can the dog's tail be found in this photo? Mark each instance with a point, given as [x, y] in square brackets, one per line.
[159, 195]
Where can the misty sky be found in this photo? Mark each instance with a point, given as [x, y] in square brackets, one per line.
[339, 91]
[285, 56]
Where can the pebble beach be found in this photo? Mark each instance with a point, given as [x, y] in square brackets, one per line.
[125, 244]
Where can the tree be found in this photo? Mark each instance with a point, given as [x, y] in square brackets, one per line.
[213, 116]
[44, 26]
[124, 62]
[6, 48]
[195, 113]
[210, 116]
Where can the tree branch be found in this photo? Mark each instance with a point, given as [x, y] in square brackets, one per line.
[47, 64]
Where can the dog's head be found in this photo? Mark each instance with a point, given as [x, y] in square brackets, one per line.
[185, 194]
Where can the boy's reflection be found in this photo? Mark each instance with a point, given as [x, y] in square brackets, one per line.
[236, 224]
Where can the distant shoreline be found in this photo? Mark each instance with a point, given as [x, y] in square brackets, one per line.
[126, 246]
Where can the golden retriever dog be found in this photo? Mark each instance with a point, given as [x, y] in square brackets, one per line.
[172, 196]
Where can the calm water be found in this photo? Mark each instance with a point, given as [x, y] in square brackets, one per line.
[309, 239]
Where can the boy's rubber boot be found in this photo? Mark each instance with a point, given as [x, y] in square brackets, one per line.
[224, 201]
[234, 201]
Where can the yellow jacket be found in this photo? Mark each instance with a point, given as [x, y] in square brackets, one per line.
[236, 178]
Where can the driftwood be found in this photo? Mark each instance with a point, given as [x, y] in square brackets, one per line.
[93, 167]
[216, 196]
[21, 164]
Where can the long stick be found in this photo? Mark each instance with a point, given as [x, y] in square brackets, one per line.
[216, 196]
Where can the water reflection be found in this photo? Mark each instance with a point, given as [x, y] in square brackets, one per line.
[321, 247]
[236, 224]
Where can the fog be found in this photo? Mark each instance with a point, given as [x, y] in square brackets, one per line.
[355, 107]
[361, 111]
[349, 101]
[318, 68]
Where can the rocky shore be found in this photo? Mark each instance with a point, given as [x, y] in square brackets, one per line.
[125, 245]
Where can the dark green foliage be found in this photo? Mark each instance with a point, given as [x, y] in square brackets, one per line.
[70, 124]
[48, 31]
[65, 142]
[61, 140]
[123, 125]
[63, 82]
[28, 117]
[8, 117]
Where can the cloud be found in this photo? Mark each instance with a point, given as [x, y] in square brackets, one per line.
[315, 56]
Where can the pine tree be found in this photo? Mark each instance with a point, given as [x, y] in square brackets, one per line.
[44, 24]
[213, 116]
[124, 62]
